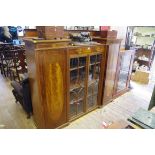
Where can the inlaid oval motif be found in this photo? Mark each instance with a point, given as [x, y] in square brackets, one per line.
[54, 91]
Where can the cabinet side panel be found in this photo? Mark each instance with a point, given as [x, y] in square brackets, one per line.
[33, 76]
[112, 56]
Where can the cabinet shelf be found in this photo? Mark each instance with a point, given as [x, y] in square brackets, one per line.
[94, 63]
[144, 37]
[76, 86]
[74, 101]
[92, 81]
[75, 68]
[142, 60]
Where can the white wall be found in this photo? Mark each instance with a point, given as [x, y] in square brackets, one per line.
[121, 33]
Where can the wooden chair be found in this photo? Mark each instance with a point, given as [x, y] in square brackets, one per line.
[20, 66]
[9, 62]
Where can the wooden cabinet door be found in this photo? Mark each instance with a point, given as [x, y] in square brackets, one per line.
[52, 80]
[111, 68]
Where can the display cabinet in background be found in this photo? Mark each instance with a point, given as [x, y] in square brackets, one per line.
[123, 74]
[51, 32]
[118, 67]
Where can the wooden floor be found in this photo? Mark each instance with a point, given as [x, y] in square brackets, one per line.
[12, 115]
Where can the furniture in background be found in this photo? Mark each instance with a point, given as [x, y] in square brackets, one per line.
[13, 61]
[104, 28]
[144, 57]
[66, 81]
[123, 74]
[30, 33]
[142, 39]
[118, 69]
[50, 32]
[21, 92]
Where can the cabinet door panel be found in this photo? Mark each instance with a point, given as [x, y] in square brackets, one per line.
[52, 79]
[124, 69]
[93, 80]
[77, 85]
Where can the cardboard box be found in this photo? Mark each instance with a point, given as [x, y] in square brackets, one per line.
[141, 77]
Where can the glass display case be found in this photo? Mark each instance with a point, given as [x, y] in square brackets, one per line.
[123, 74]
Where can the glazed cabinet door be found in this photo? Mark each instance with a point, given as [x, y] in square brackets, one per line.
[94, 70]
[84, 83]
[124, 72]
[77, 90]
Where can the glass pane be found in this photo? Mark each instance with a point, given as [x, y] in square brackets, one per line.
[99, 58]
[90, 101]
[82, 61]
[90, 89]
[125, 63]
[92, 59]
[97, 71]
[123, 76]
[91, 72]
[76, 101]
[78, 93]
[95, 99]
[72, 109]
[72, 97]
[80, 106]
[96, 87]
[73, 77]
[124, 70]
[73, 62]
[82, 75]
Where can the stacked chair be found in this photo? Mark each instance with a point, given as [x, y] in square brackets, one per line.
[12, 61]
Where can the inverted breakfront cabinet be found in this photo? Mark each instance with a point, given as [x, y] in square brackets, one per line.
[66, 82]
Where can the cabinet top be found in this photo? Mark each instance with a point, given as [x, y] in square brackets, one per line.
[108, 40]
[37, 40]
